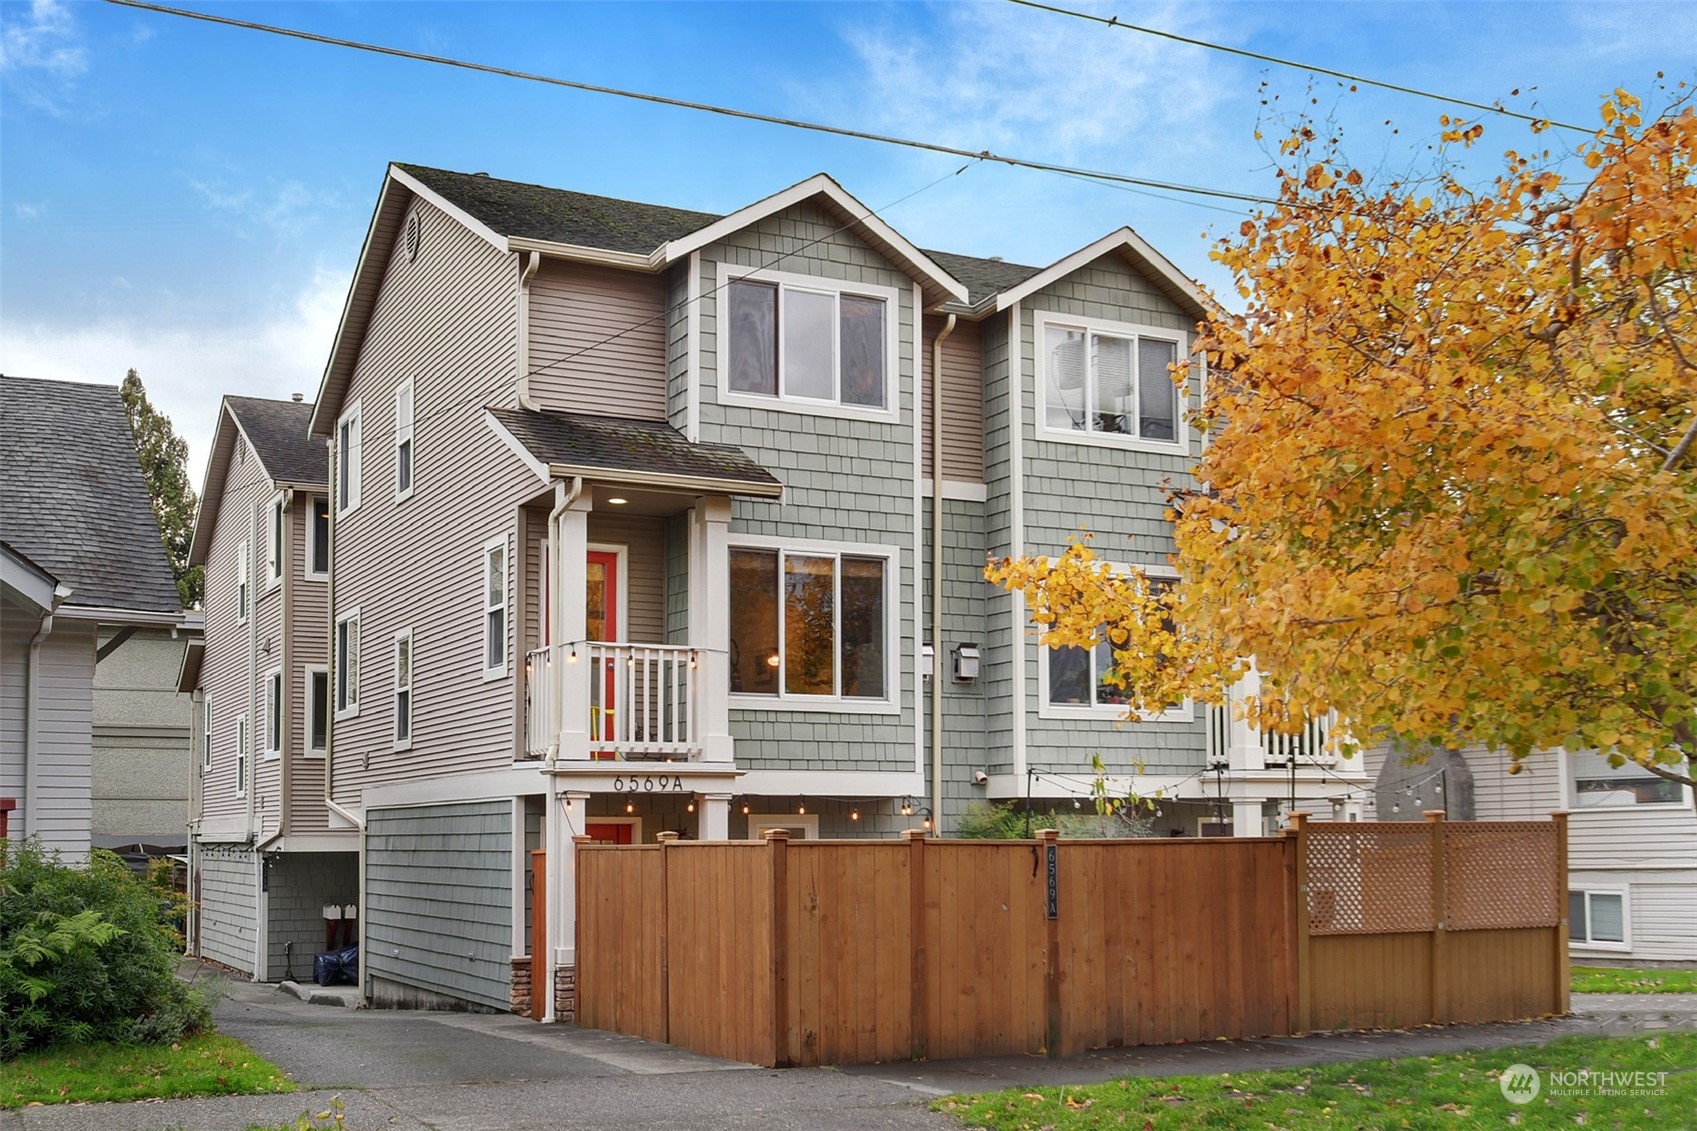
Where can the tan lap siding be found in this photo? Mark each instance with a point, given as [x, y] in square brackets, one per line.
[963, 401]
[598, 341]
[309, 643]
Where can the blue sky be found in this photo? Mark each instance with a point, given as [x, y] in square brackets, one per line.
[189, 199]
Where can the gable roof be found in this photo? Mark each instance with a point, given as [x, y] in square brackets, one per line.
[287, 453]
[73, 499]
[984, 278]
[1136, 251]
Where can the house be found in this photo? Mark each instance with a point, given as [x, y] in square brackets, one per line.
[632, 514]
[1631, 847]
[84, 570]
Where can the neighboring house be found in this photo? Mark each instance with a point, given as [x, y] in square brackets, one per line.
[142, 732]
[1632, 838]
[84, 566]
[632, 515]
[265, 857]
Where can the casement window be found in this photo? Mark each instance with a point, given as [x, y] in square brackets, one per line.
[205, 733]
[244, 594]
[347, 461]
[1109, 382]
[275, 515]
[807, 343]
[1076, 682]
[1598, 918]
[347, 664]
[242, 740]
[271, 722]
[317, 709]
[318, 538]
[813, 625]
[403, 440]
[1596, 784]
[495, 608]
[403, 689]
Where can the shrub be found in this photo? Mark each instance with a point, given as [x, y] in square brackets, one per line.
[86, 954]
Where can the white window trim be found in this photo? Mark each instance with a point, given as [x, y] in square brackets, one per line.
[891, 411]
[312, 536]
[505, 668]
[271, 714]
[1625, 918]
[396, 742]
[404, 435]
[1106, 712]
[1574, 805]
[759, 822]
[351, 711]
[276, 517]
[205, 733]
[355, 472]
[243, 767]
[307, 672]
[1042, 319]
[834, 704]
[244, 582]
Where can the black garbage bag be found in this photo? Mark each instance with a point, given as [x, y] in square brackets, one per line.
[348, 961]
[337, 967]
[325, 969]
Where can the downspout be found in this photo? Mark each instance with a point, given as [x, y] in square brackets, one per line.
[937, 572]
[526, 401]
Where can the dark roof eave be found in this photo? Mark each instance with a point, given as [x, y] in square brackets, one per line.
[707, 485]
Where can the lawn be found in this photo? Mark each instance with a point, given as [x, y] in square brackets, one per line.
[1417, 1094]
[1604, 980]
[207, 1065]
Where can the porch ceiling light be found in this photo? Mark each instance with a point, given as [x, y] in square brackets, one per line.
[772, 660]
[617, 501]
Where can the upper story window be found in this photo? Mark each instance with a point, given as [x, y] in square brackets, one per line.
[318, 538]
[272, 724]
[243, 592]
[403, 440]
[242, 752]
[495, 608]
[317, 709]
[403, 689]
[810, 344]
[347, 461]
[205, 733]
[1077, 682]
[813, 625]
[347, 664]
[1596, 784]
[274, 517]
[1109, 383]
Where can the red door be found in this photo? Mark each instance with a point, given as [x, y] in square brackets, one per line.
[602, 623]
[608, 833]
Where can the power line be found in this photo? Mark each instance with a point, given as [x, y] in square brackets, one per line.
[705, 107]
[1115, 21]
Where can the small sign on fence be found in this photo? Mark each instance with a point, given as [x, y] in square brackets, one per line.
[1052, 877]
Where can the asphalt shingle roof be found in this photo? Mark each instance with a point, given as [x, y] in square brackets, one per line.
[617, 444]
[72, 496]
[983, 277]
[278, 432]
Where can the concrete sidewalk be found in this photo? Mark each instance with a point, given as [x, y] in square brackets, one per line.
[493, 1072]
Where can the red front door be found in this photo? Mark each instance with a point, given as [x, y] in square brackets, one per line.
[602, 623]
[608, 833]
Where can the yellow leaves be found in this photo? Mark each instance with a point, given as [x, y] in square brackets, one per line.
[1318, 178]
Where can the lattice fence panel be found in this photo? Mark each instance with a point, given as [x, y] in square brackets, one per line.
[1500, 875]
[1369, 878]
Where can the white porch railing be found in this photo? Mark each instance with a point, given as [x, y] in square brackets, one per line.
[541, 706]
[1308, 745]
[643, 700]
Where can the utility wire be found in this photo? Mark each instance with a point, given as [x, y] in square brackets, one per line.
[1115, 21]
[706, 107]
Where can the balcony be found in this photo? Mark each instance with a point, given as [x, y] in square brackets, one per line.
[1232, 742]
[605, 701]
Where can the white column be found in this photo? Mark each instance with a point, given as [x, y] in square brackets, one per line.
[715, 823]
[1246, 818]
[565, 819]
[710, 625]
[1246, 750]
[572, 597]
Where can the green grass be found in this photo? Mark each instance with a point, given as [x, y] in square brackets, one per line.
[1603, 980]
[1418, 1094]
[207, 1065]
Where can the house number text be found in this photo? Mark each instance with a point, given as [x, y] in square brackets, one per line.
[649, 783]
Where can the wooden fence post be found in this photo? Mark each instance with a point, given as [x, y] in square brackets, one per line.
[1439, 972]
[1298, 830]
[1049, 842]
[1563, 986]
[916, 909]
[666, 839]
[777, 844]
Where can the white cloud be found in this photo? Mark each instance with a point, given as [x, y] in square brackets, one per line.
[40, 55]
[188, 368]
[285, 208]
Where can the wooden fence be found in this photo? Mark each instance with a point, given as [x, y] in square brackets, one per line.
[852, 952]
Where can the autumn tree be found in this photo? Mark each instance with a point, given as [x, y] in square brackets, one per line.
[164, 462]
[1449, 488]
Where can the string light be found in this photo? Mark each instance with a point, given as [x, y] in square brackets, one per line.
[854, 814]
[630, 806]
[802, 809]
[690, 808]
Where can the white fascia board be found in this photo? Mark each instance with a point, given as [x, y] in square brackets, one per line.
[577, 253]
[29, 581]
[107, 614]
[368, 272]
[212, 488]
[1122, 240]
[471, 223]
[915, 260]
[519, 781]
[536, 466]
[699, 484]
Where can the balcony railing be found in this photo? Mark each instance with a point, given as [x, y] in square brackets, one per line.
[641, 701]
[1306, 746]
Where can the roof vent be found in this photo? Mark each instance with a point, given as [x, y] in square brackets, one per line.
[296, 397]
[480, 174]
[413, 236]
[995, 259]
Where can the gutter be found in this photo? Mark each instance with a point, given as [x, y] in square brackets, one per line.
[702, 484]
[937, 571]
[526, 401]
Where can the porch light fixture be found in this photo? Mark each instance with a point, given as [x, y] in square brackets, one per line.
[772, 660]
[907, 806]
[802, 809]
[854, 814]
[630, 806]
[571, 657]
[690, 808]
[616, 501]
[694, 658]
[745, 808]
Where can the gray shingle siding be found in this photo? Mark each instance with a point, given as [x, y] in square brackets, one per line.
[228, 908]
[298, 885]
[439, 897]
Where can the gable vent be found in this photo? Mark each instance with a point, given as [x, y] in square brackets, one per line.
[413, 236]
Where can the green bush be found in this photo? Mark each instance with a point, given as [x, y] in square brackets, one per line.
[86, 954]
[984, 820]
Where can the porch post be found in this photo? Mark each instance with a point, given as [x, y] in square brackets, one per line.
[1247, 752]
[715, 816]
[571, 654]
[565, 820]
[1247, 819]
[709, 624]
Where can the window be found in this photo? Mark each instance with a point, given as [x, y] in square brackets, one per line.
[403, 440]
[809, 342]
[495, 608]
[317, 709]
[272, 721]
[1075, 681]
[347, 664]
[403, 689]
[241, 754]
[1109, 381]
[242, 592]
[1597, 918]
[1596, 784]
[274, 542]
[205, 733]
[347, 461]
[811, 623]
[318, 538]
